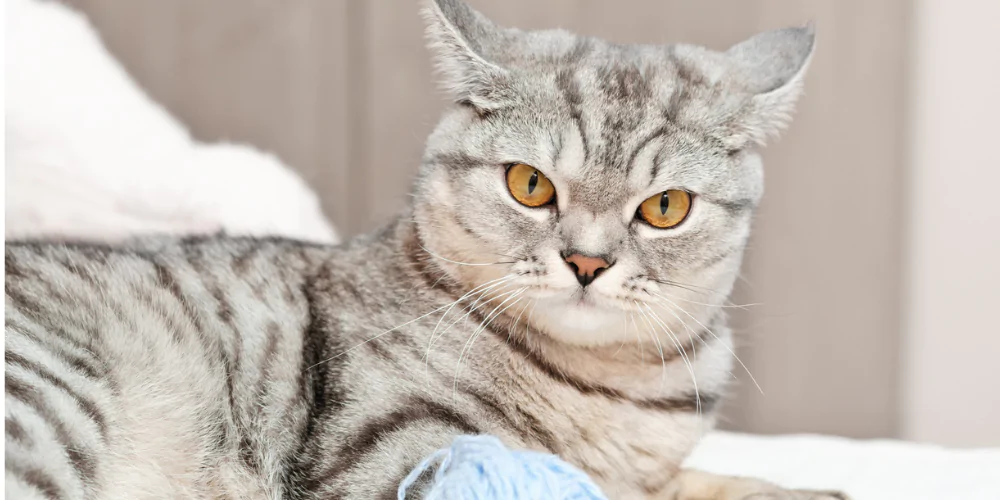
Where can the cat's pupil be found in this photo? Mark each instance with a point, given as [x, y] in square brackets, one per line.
[664, 203]
[532, 182]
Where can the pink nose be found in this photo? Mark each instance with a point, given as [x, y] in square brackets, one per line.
[587, 268]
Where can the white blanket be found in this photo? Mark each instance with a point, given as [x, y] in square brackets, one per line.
[866, 470]
[90, 156]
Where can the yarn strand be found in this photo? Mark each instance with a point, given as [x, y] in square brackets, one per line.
[482, 468]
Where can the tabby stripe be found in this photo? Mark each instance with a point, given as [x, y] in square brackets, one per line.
[585, 387]
[57, 348]
[30, 396]
[246, 450]
[11, 267]
[682, 91]
[273, 332]
[228, 372]
[167, 280]
[122, 317]
[230, 361]
[535, 430]
[15, 431]
[424, 268]
[86, 406]
[557, 147]
[80, 272]
[146, 298]
[96, 253]
[55, 293]
[687, 402]
[37, 479]
[250, 459]
[660, 132]
[242, 263]
[353, 291]
[319, 388]
[224, 309]
[289, 292]
[412, 410]
[456, 161]
[380, 350]
[24, 303]
[571, 91]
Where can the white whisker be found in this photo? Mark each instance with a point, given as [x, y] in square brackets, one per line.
[683, 354]
[475, 305]
[475, 334]
[743, 307]
[659, 349]
[638, 339]
[377, 336]
[527, 323]
[517, 321]
[477, 289]
[432, 254]
[709, 330]
[625, 335]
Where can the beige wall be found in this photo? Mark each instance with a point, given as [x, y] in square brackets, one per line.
[342, 91]
[952, 349]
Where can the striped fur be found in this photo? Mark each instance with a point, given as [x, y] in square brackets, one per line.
[217, 367]
[204, 369]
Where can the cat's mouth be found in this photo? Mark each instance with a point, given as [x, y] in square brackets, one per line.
[587, 299]
[582, 299]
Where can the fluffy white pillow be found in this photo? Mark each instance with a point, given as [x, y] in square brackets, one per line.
[90, 156]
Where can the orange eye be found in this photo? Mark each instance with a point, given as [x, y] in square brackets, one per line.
[529, 186]
[666, 209]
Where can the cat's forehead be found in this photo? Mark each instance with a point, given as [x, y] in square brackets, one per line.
[603, 127]
[616, 87]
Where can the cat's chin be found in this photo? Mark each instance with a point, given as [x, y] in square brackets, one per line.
[583, 322]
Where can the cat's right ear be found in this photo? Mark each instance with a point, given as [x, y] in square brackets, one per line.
[773, 67]
[462, 40]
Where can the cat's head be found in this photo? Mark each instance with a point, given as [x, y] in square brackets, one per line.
[601, 192]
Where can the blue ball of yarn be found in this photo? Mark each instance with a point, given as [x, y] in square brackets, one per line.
[482, 468]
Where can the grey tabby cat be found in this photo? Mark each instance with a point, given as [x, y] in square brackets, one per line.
[558, 281]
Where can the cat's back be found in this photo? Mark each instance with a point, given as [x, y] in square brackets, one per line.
[147, 365]
[80, 286]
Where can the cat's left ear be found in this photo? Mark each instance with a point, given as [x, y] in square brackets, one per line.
[463, 41]
[772, 66]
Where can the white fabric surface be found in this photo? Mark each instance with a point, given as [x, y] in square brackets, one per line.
[866, 470]
[90, 156]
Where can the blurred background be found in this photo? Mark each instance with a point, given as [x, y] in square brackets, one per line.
[875, 262]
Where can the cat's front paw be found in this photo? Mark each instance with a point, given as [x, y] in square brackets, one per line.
[771, 492]
[780, 494]
[697, 485]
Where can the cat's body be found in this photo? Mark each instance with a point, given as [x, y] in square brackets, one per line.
[558, 281]
[204, 370]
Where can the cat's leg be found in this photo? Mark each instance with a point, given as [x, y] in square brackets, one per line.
[693, 484]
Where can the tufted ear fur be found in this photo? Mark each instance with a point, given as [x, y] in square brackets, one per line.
[772, 67]
[462, 41]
